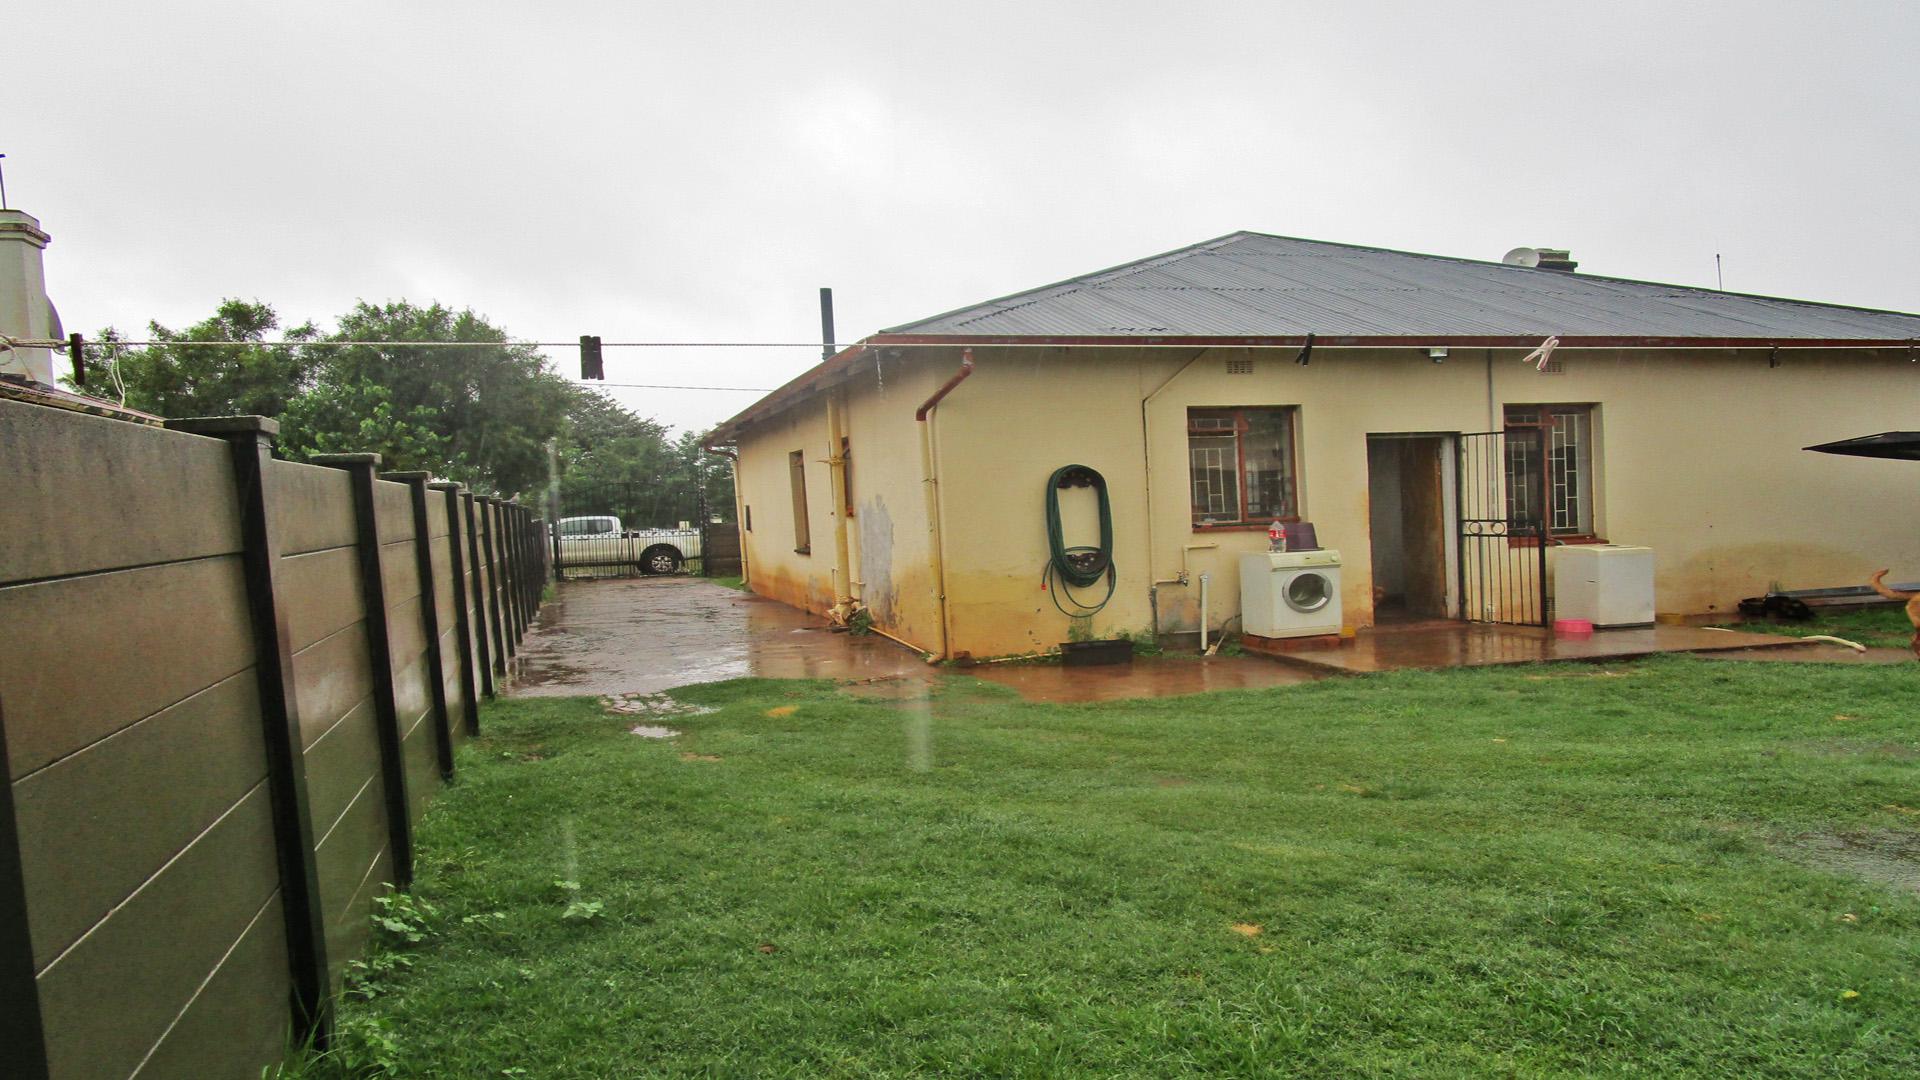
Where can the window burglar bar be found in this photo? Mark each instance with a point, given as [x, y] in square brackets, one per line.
[1241, 464]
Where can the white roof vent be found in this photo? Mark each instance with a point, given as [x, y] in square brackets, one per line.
[1543, 258]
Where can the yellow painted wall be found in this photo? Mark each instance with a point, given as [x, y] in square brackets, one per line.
[888, 539]
[1697, 455]
[1023, 414]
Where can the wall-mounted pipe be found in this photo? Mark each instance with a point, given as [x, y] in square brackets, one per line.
[966, 369]
[1204, 580]
[843, 600]
[930, 482]
[1146, 465]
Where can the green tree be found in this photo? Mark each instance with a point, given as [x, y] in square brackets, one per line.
[614, 462]
[481, 413]
[179, 378]
[709, 474]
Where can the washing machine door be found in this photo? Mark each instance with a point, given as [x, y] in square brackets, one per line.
[1308, 591]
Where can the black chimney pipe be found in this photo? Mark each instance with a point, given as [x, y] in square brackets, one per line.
[826, 323]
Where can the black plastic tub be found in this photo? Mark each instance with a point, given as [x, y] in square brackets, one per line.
[1092, 653]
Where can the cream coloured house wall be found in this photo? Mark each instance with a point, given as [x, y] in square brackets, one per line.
[1697, 455]
[887, 536]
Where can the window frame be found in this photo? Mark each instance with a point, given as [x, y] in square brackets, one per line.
[797, 480]
[1546, 410]
[1239, 430]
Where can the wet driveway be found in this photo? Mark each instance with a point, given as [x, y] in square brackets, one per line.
[643, 635]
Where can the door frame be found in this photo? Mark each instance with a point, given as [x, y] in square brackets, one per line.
[1447, 453]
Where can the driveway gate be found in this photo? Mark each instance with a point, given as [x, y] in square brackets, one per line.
[624, 528]
[1502, 491]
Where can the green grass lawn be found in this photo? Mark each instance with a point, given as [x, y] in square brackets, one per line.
[1885, 627]
[1677, 867]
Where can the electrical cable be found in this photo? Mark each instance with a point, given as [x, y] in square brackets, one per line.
[1077, 567]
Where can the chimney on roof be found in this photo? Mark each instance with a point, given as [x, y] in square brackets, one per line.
[1557, 259]
[24, 309]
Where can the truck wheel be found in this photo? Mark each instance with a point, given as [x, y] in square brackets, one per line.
[660, 559]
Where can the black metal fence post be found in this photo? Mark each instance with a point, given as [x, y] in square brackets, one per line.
[386, 709]
[462, 621]
[251, 441]
[21, 1031]
[430, 617]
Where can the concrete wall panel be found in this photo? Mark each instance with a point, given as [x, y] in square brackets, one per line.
[339, 764]
[320, 593]
[128, 803]
[393, 506]
[331, 677]
[90, 655]
[238, 1020]
[399, 571]
[110, 998]
[342, 859]
[310, 507]
[83, 471]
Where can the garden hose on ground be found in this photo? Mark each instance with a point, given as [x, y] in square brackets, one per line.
[1077, 567]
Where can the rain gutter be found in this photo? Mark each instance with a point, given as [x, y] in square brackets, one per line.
[930, 480]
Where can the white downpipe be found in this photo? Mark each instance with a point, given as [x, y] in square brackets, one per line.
[1205, 578]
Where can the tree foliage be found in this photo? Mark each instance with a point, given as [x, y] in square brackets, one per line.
[482, 413]
[178, 378]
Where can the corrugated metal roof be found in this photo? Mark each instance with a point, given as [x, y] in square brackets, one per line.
[1256, 289]
[1256, 285]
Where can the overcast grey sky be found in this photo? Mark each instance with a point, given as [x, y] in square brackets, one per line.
[698, 170]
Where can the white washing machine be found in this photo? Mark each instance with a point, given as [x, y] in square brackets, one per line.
[1287, 594]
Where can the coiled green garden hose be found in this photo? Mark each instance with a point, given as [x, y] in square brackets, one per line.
[1077, 567]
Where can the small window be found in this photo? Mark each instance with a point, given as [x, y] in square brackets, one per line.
[797, 475]
[1566, 433]
[1242, 366]
[1241, 464]
[749, 508]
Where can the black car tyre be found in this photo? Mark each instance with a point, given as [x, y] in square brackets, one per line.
[660, 559]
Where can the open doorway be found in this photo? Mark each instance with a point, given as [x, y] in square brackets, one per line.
[1410, 493]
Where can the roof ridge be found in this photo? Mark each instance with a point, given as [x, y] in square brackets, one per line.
[1573, 275]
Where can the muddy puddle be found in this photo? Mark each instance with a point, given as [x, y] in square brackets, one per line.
[627, 640]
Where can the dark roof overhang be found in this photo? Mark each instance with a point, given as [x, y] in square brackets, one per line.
[1900, 445]
[838, 367]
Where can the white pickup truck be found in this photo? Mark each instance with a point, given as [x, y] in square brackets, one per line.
[601, 541]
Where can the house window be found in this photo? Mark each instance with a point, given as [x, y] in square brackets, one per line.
[1566, 433]
[749, 517]
[797, 476]
[1241, 466]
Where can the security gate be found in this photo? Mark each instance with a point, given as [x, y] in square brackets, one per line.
[625, 528]
[1501, 487]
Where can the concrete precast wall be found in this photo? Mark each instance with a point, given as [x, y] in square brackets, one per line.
[1696, 453]
[200, 805]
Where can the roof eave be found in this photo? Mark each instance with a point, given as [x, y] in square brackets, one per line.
[829, 371]
[1384, 341]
